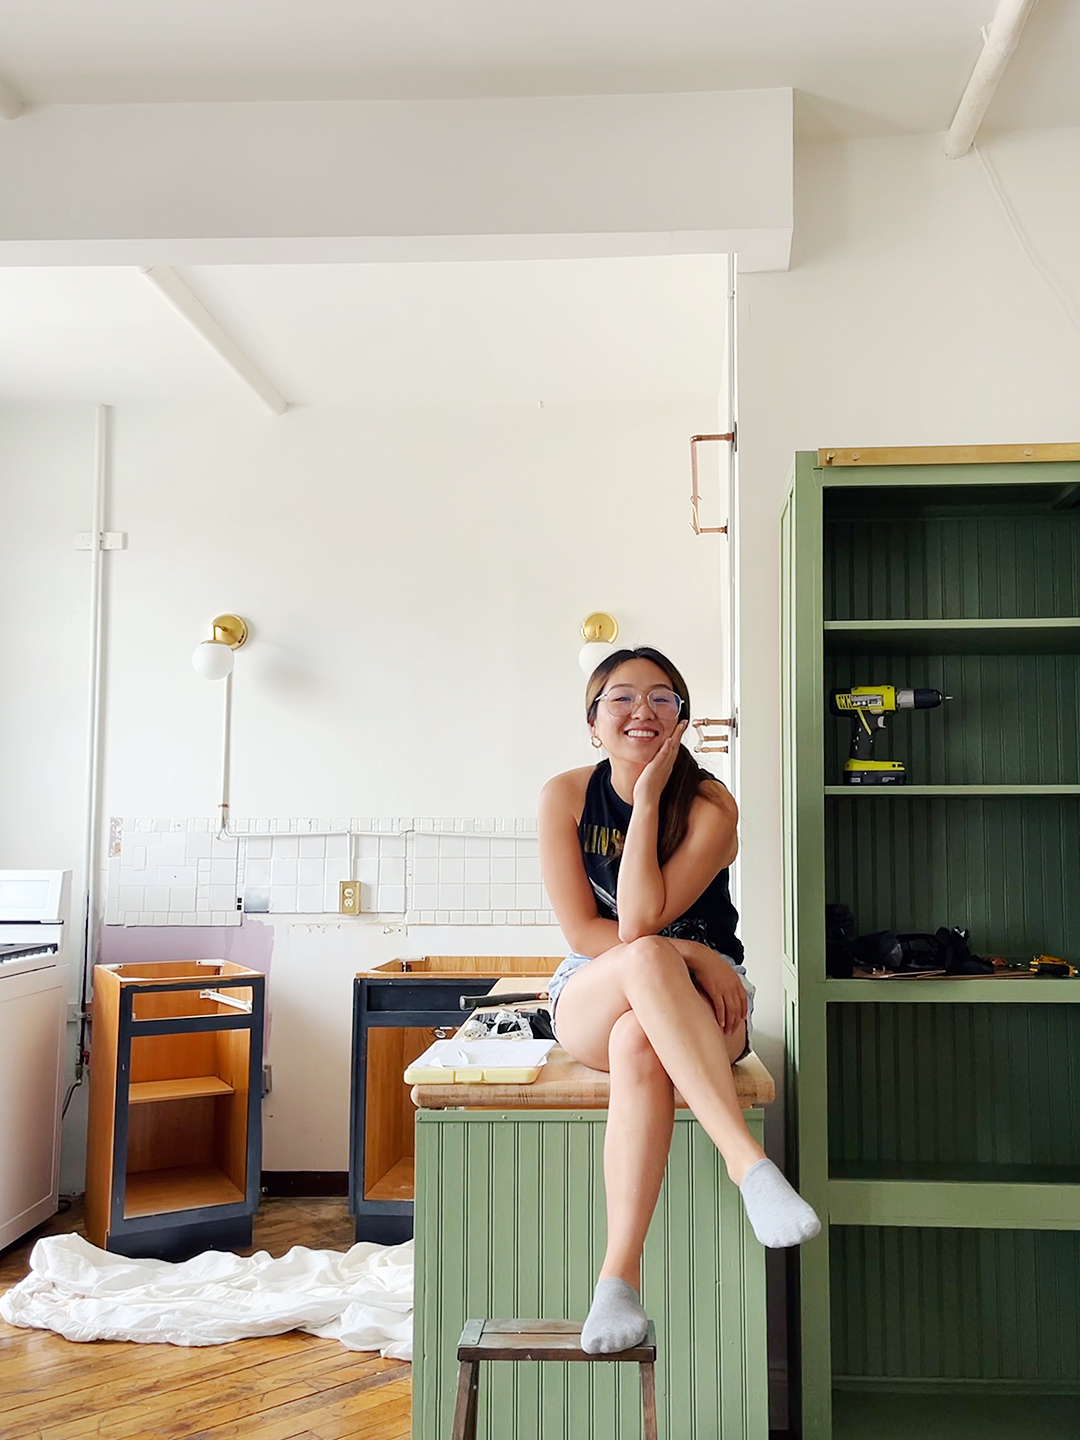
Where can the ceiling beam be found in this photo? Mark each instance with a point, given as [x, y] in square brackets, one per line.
[12, 104]
[168, 283]
[1001, 39]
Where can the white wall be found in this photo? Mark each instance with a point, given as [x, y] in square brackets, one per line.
[415, 578]
[910, 317]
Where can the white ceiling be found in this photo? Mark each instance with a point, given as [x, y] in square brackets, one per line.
[863, 66]
[559, 330]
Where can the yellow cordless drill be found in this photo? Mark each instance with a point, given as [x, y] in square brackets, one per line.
[866, 706]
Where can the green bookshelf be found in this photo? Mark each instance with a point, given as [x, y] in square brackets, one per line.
[935, 1123]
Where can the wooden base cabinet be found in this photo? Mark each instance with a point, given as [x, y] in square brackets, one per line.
[174, 1140]
[399, 1009]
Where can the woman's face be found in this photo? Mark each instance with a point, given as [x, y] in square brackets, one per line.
[635, 731]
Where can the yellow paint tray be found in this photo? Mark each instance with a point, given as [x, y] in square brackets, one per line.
[481, 1062]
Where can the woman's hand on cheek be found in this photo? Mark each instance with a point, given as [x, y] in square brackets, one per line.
[650, 783]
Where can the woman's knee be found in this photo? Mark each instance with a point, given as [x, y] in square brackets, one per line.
[653, 960]
[629, 1050]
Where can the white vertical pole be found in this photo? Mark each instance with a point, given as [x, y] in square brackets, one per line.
[733, 533]
[92, 806]
[226, 760]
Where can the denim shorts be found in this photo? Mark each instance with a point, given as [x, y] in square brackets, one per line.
[573, 963]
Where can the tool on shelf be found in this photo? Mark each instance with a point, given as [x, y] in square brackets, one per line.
[1051, 966]
[477, 1002]
[866, 706]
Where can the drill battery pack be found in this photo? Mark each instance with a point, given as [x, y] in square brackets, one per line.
[874, 772]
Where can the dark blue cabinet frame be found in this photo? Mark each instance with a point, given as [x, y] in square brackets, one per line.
[396, 1002]
[179, 1234]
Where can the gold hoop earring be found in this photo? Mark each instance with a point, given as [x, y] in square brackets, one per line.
[597, 742]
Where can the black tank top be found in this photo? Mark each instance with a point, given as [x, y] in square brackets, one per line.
[711, 919]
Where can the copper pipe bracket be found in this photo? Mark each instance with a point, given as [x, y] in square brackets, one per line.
[714, 744]
[695, 497]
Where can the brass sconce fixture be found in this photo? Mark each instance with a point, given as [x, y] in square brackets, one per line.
[599, 631]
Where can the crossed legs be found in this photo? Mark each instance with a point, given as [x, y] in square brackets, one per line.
[637, 1013]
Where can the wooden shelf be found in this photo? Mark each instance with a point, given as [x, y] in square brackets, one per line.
[187, 1187]
[1008, 989]
[397, 1184]
[973, 792]
[1056, 636]
[993, 1205]
[956, 1173]
[146, 1092]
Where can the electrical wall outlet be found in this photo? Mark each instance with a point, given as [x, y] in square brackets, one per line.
[349, 897]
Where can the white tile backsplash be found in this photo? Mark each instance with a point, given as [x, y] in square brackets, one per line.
[283, 871]
[430, 870]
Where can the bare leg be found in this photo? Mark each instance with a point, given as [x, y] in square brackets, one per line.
[641, 1113]
[650, 978]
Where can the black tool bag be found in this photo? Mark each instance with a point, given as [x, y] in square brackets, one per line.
[916, 952]
[839, 937]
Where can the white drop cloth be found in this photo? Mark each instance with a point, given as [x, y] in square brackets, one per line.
[362, 1297]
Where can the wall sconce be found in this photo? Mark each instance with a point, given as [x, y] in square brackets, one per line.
[599, 632]
[213, 659]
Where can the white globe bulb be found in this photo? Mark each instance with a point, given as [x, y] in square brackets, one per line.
[213, 660]
[592, 652]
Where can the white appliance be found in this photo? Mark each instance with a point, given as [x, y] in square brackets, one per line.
[33, 1006]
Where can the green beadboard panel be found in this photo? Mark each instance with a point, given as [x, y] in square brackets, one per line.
[1004, 868]
[967, 1414]
[1012, 719]
[963, 567]
[994, 1307]
[954, 1091]
[510, 1221]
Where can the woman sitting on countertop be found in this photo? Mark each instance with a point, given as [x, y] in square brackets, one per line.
[634, 853]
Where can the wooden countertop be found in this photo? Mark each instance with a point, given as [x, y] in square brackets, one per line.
[564, 1084]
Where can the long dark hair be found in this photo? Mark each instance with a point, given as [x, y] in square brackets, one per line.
[687, 778]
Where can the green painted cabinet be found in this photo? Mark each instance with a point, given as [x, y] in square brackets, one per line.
[510, 1221]
[935, 1123]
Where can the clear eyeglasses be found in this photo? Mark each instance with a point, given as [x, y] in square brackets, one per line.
[664, 703]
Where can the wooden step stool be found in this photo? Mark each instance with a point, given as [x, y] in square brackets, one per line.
[516, 1340]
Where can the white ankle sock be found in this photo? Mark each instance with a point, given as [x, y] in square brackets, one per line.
[615, 1321]
[779, 1215]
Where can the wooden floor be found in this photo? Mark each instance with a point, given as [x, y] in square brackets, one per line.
[288, 1387]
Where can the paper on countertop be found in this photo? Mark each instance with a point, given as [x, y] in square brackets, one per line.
[484, 1054]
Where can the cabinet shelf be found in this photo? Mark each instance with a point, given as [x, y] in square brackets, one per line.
[397, 1184]
[1006, 989]
[973, 792]
[146, 1092]
[956, 1173]
[184, 1187]
[1058, 636]
[954, 1204]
